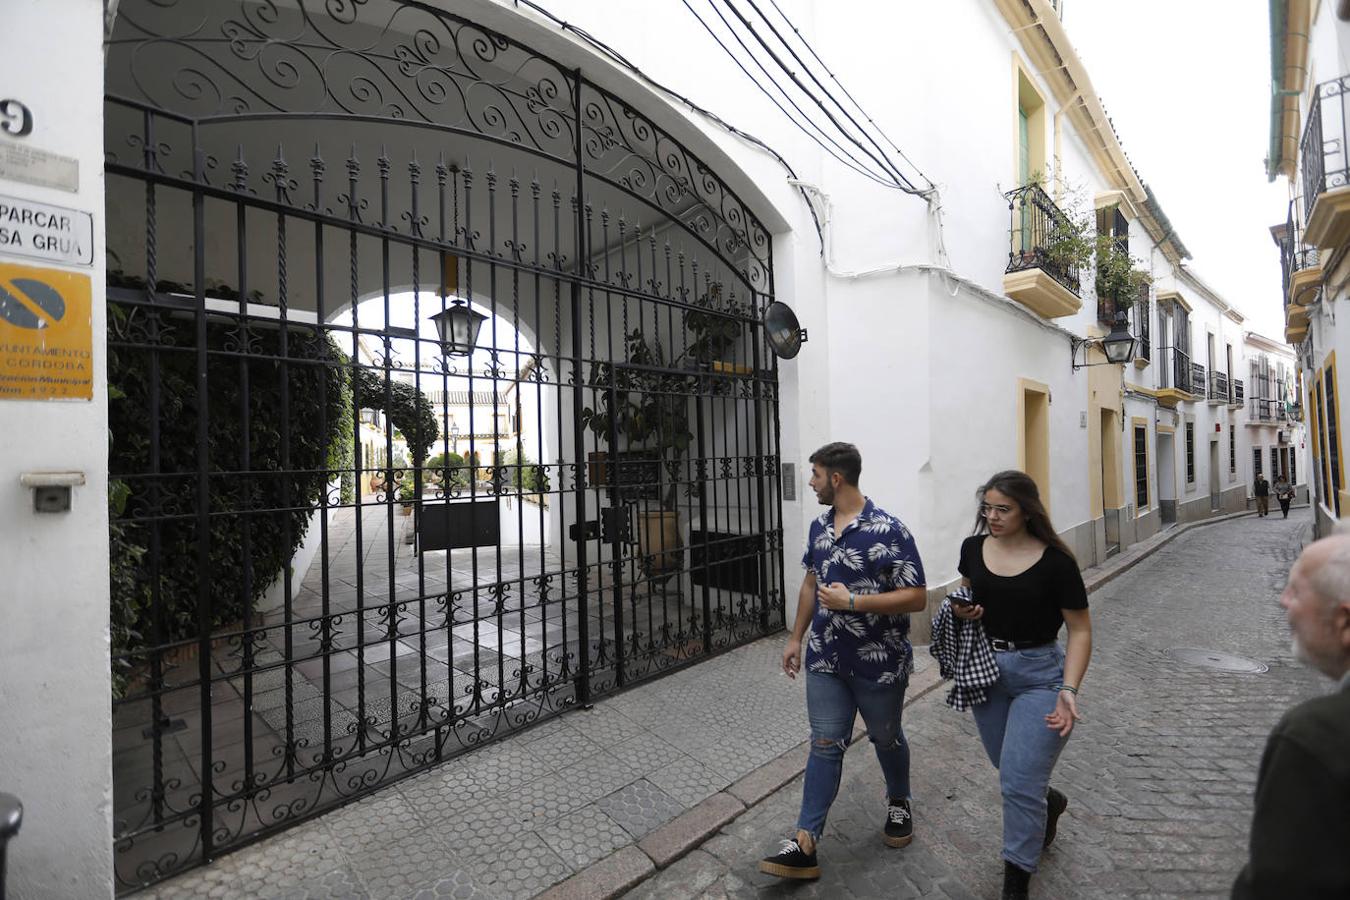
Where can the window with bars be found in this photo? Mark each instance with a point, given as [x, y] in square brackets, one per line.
[1140, 468]
[1256, 463]
[1190, 453]
[1274, 462]
[1293, 467]
[1232, 449]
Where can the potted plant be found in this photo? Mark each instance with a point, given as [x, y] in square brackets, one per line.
[407, 492]
[714, 337]
[648, 409]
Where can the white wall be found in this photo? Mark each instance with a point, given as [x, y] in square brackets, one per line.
[56, 750]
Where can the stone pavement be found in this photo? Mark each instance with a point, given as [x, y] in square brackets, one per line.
[1159, 773]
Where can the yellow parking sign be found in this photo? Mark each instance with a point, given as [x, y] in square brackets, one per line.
[46, 334]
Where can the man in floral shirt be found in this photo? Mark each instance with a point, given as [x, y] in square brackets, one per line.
[863, 578]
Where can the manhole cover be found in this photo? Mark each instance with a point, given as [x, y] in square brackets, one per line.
[1216, 659]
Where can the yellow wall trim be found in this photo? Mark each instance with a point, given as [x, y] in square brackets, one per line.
[1140, 422]
[1033, 434]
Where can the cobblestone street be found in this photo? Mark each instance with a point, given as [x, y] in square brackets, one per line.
[1159, 773]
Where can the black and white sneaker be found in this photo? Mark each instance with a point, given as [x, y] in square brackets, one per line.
[899, 830]
[791, 861]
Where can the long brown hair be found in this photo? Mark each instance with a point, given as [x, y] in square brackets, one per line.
[1020, 487]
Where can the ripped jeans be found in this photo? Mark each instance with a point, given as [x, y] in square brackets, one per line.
[831, 704]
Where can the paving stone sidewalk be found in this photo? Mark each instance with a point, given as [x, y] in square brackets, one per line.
[1160, 772]
[524, 813]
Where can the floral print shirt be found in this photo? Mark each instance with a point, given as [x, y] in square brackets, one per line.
[874, 555]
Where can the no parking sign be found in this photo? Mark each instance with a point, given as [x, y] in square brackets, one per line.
[46, 339]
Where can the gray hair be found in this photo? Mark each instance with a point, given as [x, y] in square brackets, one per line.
[1331, 579]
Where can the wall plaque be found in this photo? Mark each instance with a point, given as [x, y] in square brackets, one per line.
[20, 162]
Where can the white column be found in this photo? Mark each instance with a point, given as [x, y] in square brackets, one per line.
[55, 722]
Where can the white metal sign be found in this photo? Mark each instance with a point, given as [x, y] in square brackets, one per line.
[42, 231]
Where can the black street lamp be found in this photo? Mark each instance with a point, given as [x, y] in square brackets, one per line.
[458, 326]
[454, 438]
[1118, 345]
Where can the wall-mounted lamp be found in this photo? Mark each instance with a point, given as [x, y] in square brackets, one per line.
[1118, 345]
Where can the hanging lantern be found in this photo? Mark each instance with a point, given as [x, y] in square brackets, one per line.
[458, 326]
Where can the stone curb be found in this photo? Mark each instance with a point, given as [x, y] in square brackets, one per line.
[1099, 576]
[624, 869]
[688, 831]
[610, 877]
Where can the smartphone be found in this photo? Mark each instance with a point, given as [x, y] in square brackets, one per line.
[961, 599]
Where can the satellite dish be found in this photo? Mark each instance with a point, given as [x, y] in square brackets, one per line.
[784, 333]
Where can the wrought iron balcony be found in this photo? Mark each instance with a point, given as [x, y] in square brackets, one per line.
[1144, 347]
[1266, 410]
[1236, 399]
[1175, 373]
[1324, 157]
[1197, 379]
[1300, 264]
[1038, 229]
[1218, 386]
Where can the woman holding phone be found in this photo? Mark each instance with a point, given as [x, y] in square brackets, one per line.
[1025, 585]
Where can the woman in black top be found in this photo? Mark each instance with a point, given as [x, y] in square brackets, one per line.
[1025, 584]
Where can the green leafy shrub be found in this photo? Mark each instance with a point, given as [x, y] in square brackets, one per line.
[259, 519]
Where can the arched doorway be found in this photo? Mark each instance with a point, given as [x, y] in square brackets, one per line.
[269, 165]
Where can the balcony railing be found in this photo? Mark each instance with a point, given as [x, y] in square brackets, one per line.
[1141, 315]
[1176, 369]
[1218, 386]
[1324, 151]
[1237, 391]
[1266, 410]
[1197, 379]
[1038, 226]
[1295, 256]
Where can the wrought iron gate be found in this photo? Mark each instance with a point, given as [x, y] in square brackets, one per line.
[350, 539]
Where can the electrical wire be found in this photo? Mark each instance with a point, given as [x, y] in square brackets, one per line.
[850, 162]
[881, 160]
[885, 137]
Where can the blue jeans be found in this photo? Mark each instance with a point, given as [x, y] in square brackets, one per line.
[1020, 744]
[832, 701]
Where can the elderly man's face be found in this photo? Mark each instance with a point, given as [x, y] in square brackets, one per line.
[1318, 623]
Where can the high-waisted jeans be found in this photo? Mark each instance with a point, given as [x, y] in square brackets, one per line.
[1021, 745]
[832, 702]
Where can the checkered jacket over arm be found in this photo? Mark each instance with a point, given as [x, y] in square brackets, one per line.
[963, 654]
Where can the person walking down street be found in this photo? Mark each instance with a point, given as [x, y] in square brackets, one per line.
[1025, 585]
[1301, 822]
[863, 578]
[1262, 491]
[1284, 493]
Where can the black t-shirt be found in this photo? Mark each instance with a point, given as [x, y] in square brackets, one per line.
[1024, 607]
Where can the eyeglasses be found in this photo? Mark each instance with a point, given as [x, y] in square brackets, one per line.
[989, 511]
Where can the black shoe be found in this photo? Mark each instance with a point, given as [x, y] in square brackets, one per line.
[791, 862]
[1016, 882]
[899, 830]
[1055, 804]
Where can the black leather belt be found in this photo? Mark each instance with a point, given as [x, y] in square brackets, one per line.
[1000, 644]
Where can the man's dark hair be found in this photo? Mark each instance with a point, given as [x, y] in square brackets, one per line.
[842, 458]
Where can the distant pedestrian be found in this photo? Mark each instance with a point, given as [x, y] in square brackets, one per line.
[1284, 493]
[1262, 491]
[1301, 824]
[1025, 584]
[863, 578]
